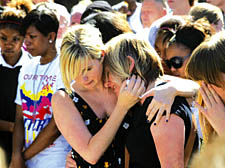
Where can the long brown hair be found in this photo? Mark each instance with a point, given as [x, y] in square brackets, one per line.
[207, 63]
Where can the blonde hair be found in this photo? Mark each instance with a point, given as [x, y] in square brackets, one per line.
[147, 61]
[80, 43]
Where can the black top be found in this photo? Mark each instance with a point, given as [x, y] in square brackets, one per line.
[140, 142]
[8, 85]
[114, 155]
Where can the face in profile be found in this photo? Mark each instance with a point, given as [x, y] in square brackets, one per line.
[90, 76]
[179, 7]
[36, 43]
[160, 46]
[150, 12]
[112, 81]
[10, 42]
[177, 57]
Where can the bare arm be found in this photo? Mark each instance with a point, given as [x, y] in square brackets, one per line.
[6, 126]
[18, 140]
[164, 95]
[45, 138]
[91, 147]
[169, 141]
[184, 87]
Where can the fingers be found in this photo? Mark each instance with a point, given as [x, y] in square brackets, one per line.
[149, 93]
[149, 110]
[201, 109]
[168, 111]
[153, 110]
[136, 86]
[155, 107]
[70, 163]
[123, 86]
[205, 97]
[159, 115]
[215, 95]
[161, 110]
[141, 89]
[131, 83]
[208, 96]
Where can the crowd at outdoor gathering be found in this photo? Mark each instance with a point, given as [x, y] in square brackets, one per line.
[136, 84]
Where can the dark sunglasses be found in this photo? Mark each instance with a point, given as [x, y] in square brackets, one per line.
[176, 62]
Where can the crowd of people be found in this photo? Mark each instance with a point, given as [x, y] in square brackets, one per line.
[134, 85]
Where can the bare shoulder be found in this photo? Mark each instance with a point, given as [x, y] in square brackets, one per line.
[173, 126]
[61, 100]
[59, 96]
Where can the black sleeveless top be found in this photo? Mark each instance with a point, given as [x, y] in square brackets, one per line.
[140, 143]
[114, 156]
[8, 84]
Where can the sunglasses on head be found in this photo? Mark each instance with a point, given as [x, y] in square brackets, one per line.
[176, 62]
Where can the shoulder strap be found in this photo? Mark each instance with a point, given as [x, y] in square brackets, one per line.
[190, 142]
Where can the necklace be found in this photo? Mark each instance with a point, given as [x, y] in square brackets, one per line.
[35, 93]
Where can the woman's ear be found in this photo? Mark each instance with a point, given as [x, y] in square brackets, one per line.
[131, 64]
[51, 37]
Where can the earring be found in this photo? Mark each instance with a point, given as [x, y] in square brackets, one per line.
[50, 41]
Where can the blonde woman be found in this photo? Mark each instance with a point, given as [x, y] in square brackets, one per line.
[88, 114]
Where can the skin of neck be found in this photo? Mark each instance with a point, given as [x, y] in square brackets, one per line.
[49, 55]
[12, 60]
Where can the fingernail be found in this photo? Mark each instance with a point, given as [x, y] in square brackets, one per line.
[154, 123]
[147, 121]
[166, 120]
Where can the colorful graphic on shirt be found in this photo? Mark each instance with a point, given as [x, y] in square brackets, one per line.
[34, 123]
[43, 102]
